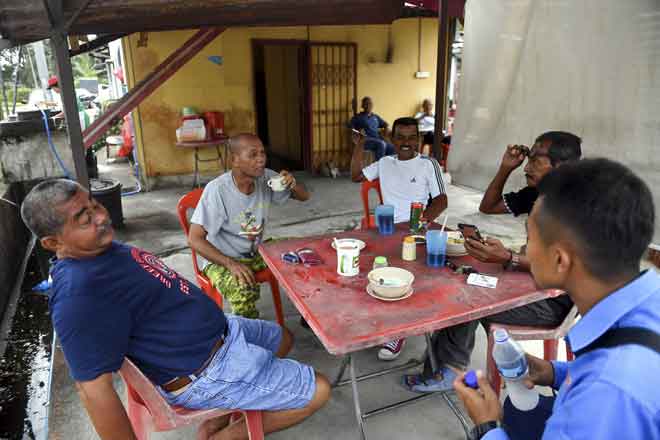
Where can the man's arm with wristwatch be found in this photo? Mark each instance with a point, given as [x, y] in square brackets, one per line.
[493, 251]
[483, 405]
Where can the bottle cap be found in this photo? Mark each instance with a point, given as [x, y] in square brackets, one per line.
[409, 239]
[470, 379]
[500, 335]
[380, 260]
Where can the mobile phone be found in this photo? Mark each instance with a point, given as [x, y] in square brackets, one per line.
[309, 257]
[471, 231]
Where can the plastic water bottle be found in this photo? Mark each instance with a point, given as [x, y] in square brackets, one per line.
[512, 364]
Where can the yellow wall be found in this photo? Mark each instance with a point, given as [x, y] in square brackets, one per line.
[229, 87]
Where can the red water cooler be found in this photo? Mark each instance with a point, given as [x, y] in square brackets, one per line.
[215, 125]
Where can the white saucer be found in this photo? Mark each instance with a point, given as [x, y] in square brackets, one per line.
[373, 294]
[361, 244]
[456, 254]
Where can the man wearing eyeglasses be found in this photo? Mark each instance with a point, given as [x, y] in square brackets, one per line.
[550, 150]
[452, 347]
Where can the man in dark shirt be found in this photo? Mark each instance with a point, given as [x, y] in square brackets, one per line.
[452, 347]
[110, 301]
[370, 123]
[550, 150]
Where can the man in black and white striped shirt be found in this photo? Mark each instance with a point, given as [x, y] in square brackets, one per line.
[404, 178]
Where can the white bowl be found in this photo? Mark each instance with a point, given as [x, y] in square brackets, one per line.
[397, 281]
[455, 243]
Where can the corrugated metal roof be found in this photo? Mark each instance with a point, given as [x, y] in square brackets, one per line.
[24, 21]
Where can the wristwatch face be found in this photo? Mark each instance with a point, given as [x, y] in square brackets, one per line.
[515, 260]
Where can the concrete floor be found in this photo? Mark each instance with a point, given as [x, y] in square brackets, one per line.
[151, 223]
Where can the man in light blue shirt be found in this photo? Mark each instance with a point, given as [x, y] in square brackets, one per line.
[587, 233]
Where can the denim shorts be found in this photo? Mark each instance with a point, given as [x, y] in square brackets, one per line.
[246, 374]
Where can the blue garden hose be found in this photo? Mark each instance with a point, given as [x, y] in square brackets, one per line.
[68, 174]
[52, 147]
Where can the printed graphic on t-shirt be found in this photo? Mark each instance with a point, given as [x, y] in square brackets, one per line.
[250, 226]
[154, 266]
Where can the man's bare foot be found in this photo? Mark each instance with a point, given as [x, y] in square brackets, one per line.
[211, 426]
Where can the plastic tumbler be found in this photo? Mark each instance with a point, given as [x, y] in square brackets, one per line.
[385, 219]
[436, 245]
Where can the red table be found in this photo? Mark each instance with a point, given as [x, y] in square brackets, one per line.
[346, 319]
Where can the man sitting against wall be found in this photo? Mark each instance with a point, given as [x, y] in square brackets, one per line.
[111, 301]
[404, 178]
[370, 124]
[229, 222]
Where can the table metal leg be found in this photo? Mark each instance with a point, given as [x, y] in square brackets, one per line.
[410, 364]
[349, 361]
[458, 413]
[356, 398]
[445, 394]
[429, 353]
[342, 369]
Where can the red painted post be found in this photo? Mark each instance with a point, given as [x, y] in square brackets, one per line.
[148, 85]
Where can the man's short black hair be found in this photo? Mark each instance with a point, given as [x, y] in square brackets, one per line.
[563, 147]
[606, 209]
[405, 121]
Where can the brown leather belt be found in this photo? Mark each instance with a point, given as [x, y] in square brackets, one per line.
[180, 382]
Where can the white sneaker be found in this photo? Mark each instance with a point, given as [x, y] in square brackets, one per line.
[391, 350]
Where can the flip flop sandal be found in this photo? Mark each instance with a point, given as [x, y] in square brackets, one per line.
[418, 384]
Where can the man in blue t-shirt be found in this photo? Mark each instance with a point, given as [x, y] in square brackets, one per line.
[111, 301]
[371, 124]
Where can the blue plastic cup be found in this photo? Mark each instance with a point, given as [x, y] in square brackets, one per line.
[436, 246]
[385, 219]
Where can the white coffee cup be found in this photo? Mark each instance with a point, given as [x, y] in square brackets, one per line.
[276, 183]
[348, 260]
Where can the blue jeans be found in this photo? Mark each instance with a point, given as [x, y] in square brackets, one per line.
[527, 425]
[245, 373]
[379, 147]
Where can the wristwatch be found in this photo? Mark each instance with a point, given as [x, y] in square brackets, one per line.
[480, 430]
[514, 261]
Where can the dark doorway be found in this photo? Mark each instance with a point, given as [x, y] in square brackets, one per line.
[280, 79]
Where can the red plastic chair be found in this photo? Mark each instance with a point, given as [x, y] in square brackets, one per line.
[549, 335]
[369, 220]
[189, 201]
[149, 412]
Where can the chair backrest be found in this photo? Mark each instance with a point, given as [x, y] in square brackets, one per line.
[144, 393]
[368, 220]
[187, 202]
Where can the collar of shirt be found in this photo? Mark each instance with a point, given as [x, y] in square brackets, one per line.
[609, 310]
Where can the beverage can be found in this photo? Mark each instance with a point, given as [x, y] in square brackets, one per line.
[416, 210]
